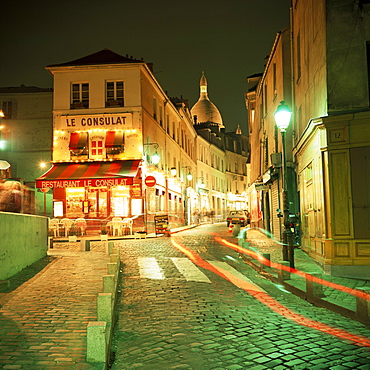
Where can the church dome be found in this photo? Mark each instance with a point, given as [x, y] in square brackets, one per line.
[204, 110]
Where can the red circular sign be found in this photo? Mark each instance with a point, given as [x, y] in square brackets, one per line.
[45, 190]
[150, 181]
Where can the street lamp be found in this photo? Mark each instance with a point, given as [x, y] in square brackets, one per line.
[155, 157]
[189, 176]
[282, 119]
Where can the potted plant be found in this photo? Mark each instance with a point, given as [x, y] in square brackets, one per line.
[104, 232]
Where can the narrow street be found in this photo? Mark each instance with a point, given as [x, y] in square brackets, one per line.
[188, 302]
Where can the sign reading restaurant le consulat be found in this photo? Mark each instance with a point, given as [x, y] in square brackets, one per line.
[84, 183]
[96, 121]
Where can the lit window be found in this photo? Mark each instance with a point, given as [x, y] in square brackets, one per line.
[114, 94]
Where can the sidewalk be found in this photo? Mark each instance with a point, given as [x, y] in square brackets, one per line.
[45, 309]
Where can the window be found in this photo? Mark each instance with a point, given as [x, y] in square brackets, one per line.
[168, 124]
[264, 101]
[97, 147]
[161, 115]
[114, 94]
[274, 80]
[80, 96]
[299, 71]
[7, 109]
[78, 144]
[155, 108]
[114, 143]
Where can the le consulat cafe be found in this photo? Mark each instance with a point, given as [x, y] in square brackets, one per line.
[96, 171]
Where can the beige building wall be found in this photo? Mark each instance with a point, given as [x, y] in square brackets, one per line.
[332, 110]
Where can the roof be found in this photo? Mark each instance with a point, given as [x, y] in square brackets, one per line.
[24, 89]
[104, 56]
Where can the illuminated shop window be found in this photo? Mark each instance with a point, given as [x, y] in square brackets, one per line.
[80, 96]
[78, 145]
[114, 143]
[120, 201]
[74, 202]
[114, 94]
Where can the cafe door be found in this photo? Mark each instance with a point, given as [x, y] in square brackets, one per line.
[97, 202]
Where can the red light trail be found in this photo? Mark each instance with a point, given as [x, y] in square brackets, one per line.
[267, 300]
[305, 275]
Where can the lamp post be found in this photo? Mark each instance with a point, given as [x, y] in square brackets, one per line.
[282, 119]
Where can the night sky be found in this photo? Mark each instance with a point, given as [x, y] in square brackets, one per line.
[227, 39]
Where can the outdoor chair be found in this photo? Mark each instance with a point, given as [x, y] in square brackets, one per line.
[54, 226]
[67, 224]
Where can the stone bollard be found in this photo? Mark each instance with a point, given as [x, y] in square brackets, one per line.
[114, 258]
[110, 246]
[245, 245]
[236, 230]
[104, 305]
[266, 262]
[112, 268]
[109, 283]
[284, 274]
[85, 244]
[363, 306]
[96, 342]
[313, 289]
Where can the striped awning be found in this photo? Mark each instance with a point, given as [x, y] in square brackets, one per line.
[78, 140]
[114, 139]
[97, 174]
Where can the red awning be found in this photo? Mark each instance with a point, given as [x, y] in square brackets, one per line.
[97, 174]
[78, 140]
[114, 139]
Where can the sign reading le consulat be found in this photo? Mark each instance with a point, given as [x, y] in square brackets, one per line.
[114, 121]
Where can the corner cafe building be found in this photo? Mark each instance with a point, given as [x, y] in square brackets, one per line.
[96, 172]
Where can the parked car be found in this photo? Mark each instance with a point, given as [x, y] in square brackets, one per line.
[241, 217]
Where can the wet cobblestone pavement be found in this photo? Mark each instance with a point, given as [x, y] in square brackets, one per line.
[169, 322]
[213, 313]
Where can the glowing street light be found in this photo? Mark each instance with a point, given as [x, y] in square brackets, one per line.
[282, 118]
[189, 176]
[155, 157]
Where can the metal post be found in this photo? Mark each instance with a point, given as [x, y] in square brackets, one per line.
[288, 245]
[44, 204]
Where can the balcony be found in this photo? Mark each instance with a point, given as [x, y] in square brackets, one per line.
[114, 103]
[80, 105]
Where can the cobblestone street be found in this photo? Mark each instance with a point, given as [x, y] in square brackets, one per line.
[170, 322]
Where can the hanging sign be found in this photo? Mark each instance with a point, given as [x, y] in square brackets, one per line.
[135, 191]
